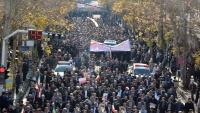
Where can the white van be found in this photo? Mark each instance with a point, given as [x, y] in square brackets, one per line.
[140, 69]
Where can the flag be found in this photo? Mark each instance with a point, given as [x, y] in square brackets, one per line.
[82, 80]
[97, 78]
[110, 53]
[113, 108]
[38, 87]
[23, 111]
[59, 50]
[54, 110]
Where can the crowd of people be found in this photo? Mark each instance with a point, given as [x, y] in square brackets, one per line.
[110, 88]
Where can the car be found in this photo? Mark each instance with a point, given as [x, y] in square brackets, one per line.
[61, 69]
[140, 69]
[64, 63]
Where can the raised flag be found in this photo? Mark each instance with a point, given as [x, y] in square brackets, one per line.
[59, 50]
[23, 111]
[54, 110]
[97, 78]
[38, 87]
[113, 108]
[82, 80]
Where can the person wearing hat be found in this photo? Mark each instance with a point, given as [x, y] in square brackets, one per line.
[126, 92]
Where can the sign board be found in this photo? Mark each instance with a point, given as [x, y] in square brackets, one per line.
[24, 49]
[110, 42]
[97, 16]
[9, 83]
[35, 35]
[29, 43]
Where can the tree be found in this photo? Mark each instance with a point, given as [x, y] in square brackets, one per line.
[175, 21]
[39, 14]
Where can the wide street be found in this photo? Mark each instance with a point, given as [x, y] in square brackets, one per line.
[113, 56]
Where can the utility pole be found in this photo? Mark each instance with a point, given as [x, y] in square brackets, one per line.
[7, 20]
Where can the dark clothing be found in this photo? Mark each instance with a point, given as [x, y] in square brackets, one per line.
[18, 82]
[192, 90]
[25, 70]
[188, 106]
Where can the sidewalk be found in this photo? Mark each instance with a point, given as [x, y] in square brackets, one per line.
[25, 87]
[185, 94]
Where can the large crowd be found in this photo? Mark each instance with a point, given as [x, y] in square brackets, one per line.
[110, 89]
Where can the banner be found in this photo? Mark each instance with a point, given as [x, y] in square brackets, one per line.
[98, 47]
[124, 46]
[96, 16]
[101, 47]
[79, 5]
[82, 80]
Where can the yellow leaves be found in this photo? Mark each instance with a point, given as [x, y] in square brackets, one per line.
[138, 13]
[42, 13]
[40, 22]
[197, 59]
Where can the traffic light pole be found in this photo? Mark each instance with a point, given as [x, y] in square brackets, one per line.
[5, 45]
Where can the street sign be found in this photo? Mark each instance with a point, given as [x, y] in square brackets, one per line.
[24, 49]
[29, 43]
[9, 83]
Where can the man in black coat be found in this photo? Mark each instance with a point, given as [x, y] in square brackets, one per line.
[192, 90]
[25, 70]
[189, 105]
[197, 91]
[163, 105]
[18, 82]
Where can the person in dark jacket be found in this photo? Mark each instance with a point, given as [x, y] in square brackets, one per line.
[163, 105]
[179, 106]
[189, 105]
[25, 68]
[192, 90]
[17, 81]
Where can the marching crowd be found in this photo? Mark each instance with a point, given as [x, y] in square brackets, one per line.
[110, 88]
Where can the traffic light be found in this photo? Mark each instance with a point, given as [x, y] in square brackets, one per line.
[3, 75]
[56, 36]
